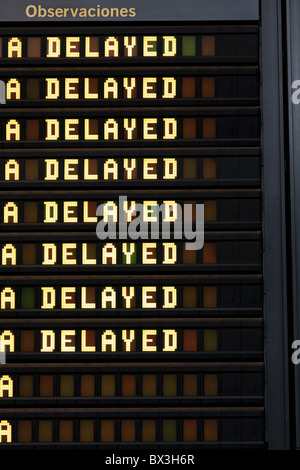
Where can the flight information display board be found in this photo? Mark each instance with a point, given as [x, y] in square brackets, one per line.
[131, 342]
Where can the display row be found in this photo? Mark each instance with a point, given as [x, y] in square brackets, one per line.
[203, 427]
[109, 387]
[136, 129]
[233, 339]
[160, 87]
[233, 253]
[139, 219]
[134, 47]
[130, 296]
[226, 169]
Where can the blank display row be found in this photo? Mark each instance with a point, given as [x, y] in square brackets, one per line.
[223, 384]
[109, 430]
[169, 429]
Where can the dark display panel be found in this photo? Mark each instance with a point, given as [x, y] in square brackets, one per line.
[117, 343]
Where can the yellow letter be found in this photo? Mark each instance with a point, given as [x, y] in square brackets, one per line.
[129, 210]
[128, 254]
[127, 297]
[170, 168]
[87, 94]
[108, 338]
[6, 384]
[111, 129]
[169, 46]
[71, 165]
[170, 340]
[52, 88]
[71, 43]
[110, 88]
[68, 253]
[8, 296]
[84, 303]
[109, 252]
[87, 175]
[170, 297]
[149, 251]
[86, 217]
[84, 347]
[129, 340]
[150, 211]
[108, 297]
[53, 47]
[10, 212]
[129, 46]
[13, 87]
[149, 128]
[150, 173]
[12, 130]
[147, 295]
[49, 297]
[87, 133]
[69, 210]
[150, 46]
[111, 45]
[51, 212]
[66, 297]
[48, 341]
[70, 88]
[52, 130]
[169, 87]
[85, 259]
[65, 340]
[129, 127]
[49, 253]
[170, 253]
[11, 170]
[14, 45]
[170, 128]
[148, 87]
[7, 339]
[129, 87]
[88, 52]
[5, 431]
[110, 168]
[147, 340]
[9, 253]
[110, 212]
[170, 211]
[129, 166]
[70, 129]
[52, 169]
